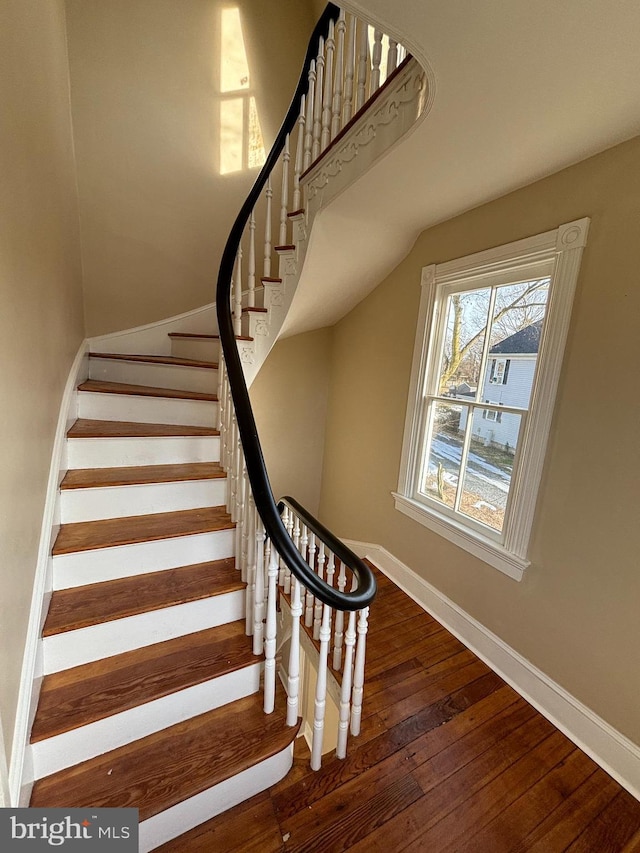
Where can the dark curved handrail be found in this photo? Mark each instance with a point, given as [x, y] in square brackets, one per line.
[265, 504]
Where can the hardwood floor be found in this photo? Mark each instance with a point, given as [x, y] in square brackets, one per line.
[450, 760]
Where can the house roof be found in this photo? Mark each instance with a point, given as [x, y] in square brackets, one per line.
[525, 341]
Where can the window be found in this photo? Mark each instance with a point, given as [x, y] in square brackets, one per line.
[491, 332]
[240, 144]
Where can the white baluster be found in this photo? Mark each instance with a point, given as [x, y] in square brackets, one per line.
[287, 573]
[250, 575]
[363, 65]
[258, 595]
[358, 672]
[321, 690]
[349, 73]
[339, 635]
[231, 473]
[317, 107]
[297, 166]
[237, 295]
[402, 53]
[308, 135]
[308, 603]
[251, 299]
[392, 56]
[282, 566]
[246, 540]
[222, 377]
[284, 196]
[327, 96]
[317, 613]
[376, 59]
[338, 78]
[270, 635]
[266, 267]
[345, 689]
[293, 678]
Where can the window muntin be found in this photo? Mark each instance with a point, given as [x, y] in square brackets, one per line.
[519, 303]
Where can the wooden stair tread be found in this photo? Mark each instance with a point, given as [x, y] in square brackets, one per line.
[108, 532]
[93, 691]
[287, 247]
[165, 768]
[156, 359]
[98, 387]
[88, 428]
[88, 478]
[254, 310]
[79, 607]
[193, 336]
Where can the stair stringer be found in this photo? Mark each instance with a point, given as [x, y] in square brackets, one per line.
[391, 116]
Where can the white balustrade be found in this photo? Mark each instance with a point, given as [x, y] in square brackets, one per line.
[349, 67]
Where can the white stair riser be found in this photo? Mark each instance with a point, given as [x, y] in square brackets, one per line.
[84, 645]
[182, 817]
[65, 750]
[146, 410]
[203, 349]
[141, 499]
[119, 452]
[156, 375]
[105, 564]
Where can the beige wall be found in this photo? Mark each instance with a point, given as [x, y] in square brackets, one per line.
[575, 614]
[154, 211]
[289, 399]
[40, 296]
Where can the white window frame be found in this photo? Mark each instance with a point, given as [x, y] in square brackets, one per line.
[556, 254]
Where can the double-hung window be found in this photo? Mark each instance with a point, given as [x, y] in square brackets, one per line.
[487, 358]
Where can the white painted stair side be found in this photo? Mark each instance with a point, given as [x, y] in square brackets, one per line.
[92, 504]
[189, 813]
[146, 410]
[154, 450]
[202, 349]
[81, 744]
[153, 374]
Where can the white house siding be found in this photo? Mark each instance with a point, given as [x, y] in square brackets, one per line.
[516, 392]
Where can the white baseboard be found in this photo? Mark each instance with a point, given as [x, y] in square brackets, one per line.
[614, 752]
[32, 669]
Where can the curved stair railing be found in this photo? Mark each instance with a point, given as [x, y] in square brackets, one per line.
[280, 547]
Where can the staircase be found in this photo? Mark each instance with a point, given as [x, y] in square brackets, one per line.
[150, 697]
[174, 576]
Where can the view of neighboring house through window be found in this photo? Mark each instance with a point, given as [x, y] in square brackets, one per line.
[240, 145]
[475, 411]
[486, 364]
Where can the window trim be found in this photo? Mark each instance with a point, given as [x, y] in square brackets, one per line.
[561, 251]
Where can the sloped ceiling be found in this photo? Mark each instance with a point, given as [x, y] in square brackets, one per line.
[523, 88]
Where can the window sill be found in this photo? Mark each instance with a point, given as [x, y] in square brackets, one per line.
[489, 552]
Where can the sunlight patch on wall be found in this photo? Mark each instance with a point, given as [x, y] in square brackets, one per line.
[241, 142]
